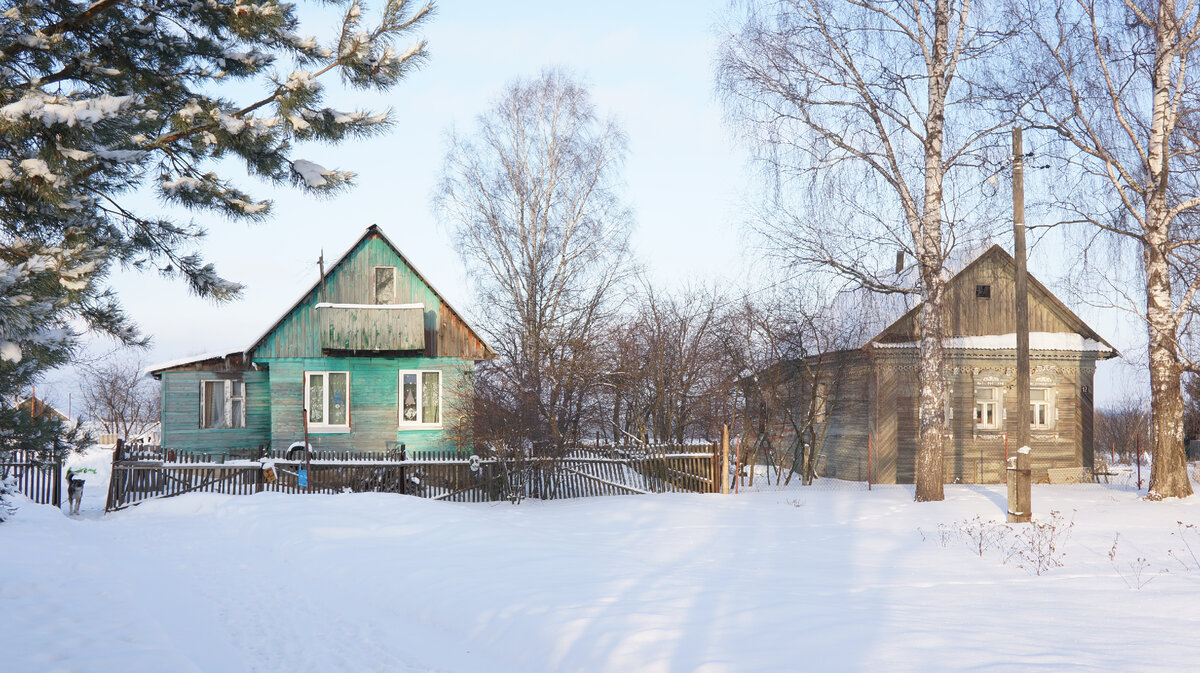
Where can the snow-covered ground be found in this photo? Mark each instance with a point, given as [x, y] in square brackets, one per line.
[829, 579]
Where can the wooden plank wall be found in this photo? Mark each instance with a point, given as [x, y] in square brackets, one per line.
[181, 411]
[977, 455]
[352, 282]
[968, 315]
[374, 402]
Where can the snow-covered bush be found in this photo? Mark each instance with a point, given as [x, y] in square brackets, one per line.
[8, 487]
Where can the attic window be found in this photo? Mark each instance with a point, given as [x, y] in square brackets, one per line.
[385, 285]
[983, 291]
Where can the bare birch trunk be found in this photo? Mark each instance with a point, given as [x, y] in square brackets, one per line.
[1168, 475]
[928, 239]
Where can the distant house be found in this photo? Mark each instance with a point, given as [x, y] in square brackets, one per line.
[369, 356]
[872, 391]
[41, 409]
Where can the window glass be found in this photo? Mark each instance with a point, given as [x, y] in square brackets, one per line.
[430, 396]
[316, 398]
[385, 285]
[237, 404]
[1039, 407]
[214, 404]
[987, 408]
[338, 395]
[408, 397]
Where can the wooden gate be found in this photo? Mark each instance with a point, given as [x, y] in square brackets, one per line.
[39, 480]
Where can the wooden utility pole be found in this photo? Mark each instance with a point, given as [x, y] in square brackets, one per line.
[1020, 500]
[1022, 290]
[1020, 497]
[321, 266]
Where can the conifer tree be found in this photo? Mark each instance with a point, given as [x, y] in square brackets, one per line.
[107, 100]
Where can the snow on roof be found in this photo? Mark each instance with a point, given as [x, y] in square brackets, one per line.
[1046, 341]
[191, 359]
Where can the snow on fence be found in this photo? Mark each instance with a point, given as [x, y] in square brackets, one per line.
[440, 475]
[39, 480]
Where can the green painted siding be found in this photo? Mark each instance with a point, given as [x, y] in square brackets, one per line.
[351, 282]
[374, 401]
[181, 412]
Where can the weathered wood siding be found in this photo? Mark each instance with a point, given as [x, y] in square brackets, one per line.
[352, 281]
[181, 412]
[371, 329]
[374, 402]
[968, 315]
[976, 455]
[843, 442]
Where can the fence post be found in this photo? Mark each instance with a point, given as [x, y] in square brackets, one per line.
[869, 466]
[724, 476]
[58, 465]
[113, 478]
[1139, 462]
[403, 479]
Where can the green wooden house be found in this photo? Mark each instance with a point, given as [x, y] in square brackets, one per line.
[370, 356]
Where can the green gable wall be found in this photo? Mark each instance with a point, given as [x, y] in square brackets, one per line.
[351, 282]
[181, 412]
[374, 401]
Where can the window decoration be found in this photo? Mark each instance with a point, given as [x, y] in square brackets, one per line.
[988, 408]
[421, 398]
[327, 400]
[1041, 409]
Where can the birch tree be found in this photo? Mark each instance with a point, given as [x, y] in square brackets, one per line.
[532, 196]
[1115, 81]
[870, 119]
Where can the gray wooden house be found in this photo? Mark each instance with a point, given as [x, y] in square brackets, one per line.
[371, 355]
[871, 391]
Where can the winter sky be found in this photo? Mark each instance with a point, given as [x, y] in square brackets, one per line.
[648, 64]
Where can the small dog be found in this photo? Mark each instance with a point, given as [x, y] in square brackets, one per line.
[74, 492]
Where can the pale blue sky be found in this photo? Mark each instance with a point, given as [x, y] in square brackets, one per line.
[649, 64]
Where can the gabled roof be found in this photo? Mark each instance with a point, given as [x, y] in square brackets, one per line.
[1036, 288]
[372, 230]
[38, 408]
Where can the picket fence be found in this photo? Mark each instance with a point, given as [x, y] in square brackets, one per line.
[39, 480]
[441, 475]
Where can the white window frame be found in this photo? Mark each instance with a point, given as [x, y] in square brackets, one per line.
[227, 392]
[997, 403]
[1048, 403]
[374, 288]
[326, 427]
[418, 424]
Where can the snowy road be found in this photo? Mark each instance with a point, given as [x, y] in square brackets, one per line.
[828, 580]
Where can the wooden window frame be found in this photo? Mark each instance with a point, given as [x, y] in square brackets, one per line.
[419, 424]
[997, 403]
[326, 428]
[227, 386]
[375, 286]
[1048, 403]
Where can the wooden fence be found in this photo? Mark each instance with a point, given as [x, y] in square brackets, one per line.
[440, 475]
[39, 480]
